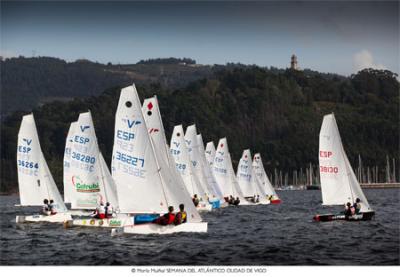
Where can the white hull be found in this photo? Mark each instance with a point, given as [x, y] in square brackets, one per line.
[80, 212]
[204, 207]
[57, 218]
[101, 223]
[199, 227]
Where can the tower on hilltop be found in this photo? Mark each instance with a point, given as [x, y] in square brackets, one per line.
[293, 62]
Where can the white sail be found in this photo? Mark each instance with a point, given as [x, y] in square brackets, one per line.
[134, 165]
[184, 166]
[34, 178]
[247, 180]
[338, 182]
[210, 152]
[194, 153]
[223, 172]
[208, 170]
[67, 176]
[110, 189]
[178, 193]
[261, 175]
[84, 169]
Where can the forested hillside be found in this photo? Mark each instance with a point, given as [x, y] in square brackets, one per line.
[27, 83]
[275, 112]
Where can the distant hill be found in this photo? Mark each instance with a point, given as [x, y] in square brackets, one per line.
[30, 82]
[272, 111]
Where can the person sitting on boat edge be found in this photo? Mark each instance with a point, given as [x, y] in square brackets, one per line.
[108, 210]
[195, 200]
[45, 207]
[167, 218]
[357, 206]
[231, 200]
[181, 216]
[349, 210]
[100, 212]
[52, 207]
[258, 198]
[236, 202]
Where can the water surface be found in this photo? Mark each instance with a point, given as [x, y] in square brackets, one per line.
[248, 235]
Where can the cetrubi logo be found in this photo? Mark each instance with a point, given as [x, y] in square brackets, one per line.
[82, 187]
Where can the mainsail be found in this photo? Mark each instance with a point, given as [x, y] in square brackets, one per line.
[67, 176]
[247, 180]
[208, 170]
[210, 152]
[86, 177]
[195, 157]
[34, 178]
[262, 175]
[178, 192]
[338, 181]
[184, 166]
[223, 172]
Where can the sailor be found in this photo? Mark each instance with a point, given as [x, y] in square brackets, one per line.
[357, 206]
[108, 210]
[52, 207]
[349, 210]
[231, 200]
[258, 198]
[101, 212]
[167, 218]
[45, 207]
[236, 202]
[181, 216]
[253, 199]
[195, 200]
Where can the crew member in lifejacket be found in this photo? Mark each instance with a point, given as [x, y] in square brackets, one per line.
[195, 200]
[52, 207]
[258, 198]
[236, 201]
[45, 207]
[357, 206]
[231, 200]
[349, 211]
[167, 218]
[100, 211]
[108, 210]
[181, 216]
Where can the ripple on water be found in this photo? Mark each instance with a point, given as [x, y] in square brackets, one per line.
[247, 235]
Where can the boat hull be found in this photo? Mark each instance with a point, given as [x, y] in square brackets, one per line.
[333, 217]
[151, 228]
[204, 207]
[120, 220]
[276, 201]
[57, 218]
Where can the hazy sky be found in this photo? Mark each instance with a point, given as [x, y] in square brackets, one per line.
[339, 37]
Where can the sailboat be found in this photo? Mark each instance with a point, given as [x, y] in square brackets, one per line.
[262, 177]
[144, 181]
[224, 174]
[208, 173]
[195, 157]
[34, 177]
[87, 179]
[152, 116]
[248, 181]
[180, 153]
[339, 184]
